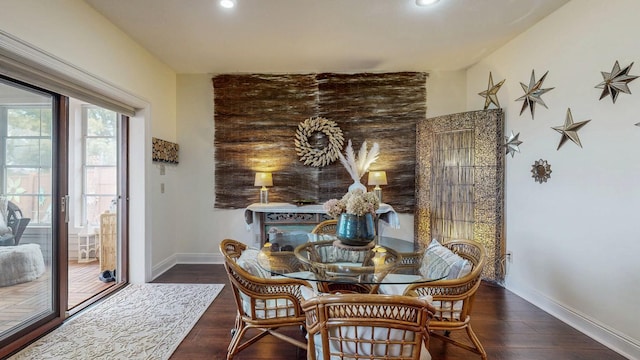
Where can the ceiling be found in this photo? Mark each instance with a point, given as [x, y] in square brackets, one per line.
[298, 36]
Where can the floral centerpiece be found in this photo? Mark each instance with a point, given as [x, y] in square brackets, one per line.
[356, 210]
[356, 213]
[355, 202]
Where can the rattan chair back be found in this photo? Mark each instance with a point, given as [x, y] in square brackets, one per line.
[327, 227]
[453, 298]
[367, 326]
[265, 304]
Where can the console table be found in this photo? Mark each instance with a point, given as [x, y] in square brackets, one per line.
[285, 216]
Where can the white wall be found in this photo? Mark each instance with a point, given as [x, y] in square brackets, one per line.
[201, 226]
[70, 30]
[575, 239]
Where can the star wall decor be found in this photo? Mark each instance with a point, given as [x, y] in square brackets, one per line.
[533, 93]
[541, 171]
[569, 130]
[491, 94]
[637, 124]
[512, 143]
[616, 81]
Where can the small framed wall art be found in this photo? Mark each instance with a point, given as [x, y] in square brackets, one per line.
[164, 151]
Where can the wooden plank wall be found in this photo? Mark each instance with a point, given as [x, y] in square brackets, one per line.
[256, 117]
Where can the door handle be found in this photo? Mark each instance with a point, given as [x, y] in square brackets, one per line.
[64, 207]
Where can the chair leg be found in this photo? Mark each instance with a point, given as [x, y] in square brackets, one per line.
[476, 348]
[476, 342]
[236, 335]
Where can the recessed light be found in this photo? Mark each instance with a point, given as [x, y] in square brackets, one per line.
[227, 3]
[426, 2]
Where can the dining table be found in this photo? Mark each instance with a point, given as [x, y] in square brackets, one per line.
[334, 266]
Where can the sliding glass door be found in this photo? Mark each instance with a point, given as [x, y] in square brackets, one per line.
[31, 176]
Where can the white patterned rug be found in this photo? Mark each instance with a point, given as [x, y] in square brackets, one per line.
[143, 321]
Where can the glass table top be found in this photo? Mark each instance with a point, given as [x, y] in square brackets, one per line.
[338, 267]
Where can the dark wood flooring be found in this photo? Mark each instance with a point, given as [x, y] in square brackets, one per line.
[509, 327]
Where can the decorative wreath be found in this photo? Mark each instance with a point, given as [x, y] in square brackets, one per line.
[313, 155]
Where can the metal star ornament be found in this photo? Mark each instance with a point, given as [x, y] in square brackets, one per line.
[616, 82]
[570, 130]
[512, 143]
[637, 124]
[532, 93]
[491, 94]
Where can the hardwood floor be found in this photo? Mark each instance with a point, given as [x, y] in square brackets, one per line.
[509, 328]
[84, 282]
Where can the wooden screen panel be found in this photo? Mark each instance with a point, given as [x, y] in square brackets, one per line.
[439, 179]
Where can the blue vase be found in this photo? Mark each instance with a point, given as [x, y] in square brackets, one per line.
[356, 230]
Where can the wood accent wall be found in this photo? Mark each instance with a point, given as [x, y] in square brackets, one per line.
[256, 117]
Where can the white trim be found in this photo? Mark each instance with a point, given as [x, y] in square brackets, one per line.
[185, 258]
[162, 267]
[619, 343]
[30, 64]
[199, 258]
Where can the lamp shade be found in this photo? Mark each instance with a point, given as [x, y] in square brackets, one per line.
[377, 178]
[263, 179]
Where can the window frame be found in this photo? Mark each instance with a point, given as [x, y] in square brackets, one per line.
[4, 169]
[84, 196]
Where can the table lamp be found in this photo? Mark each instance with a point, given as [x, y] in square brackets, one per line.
[377, 178]
[263, 179]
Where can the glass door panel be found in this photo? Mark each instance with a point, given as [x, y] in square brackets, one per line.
[94, 182]
[28, 290]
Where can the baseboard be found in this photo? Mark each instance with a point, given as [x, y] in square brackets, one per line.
[617, 342]
[163, 266]
[198, 258]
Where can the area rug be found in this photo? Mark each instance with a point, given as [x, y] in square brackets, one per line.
[143, 321]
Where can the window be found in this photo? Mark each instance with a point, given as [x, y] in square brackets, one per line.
[26, 150]
[99, 163]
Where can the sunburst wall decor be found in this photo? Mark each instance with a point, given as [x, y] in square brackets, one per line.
[541, 171]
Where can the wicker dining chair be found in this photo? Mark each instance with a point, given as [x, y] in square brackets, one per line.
[264, 304]
[327, 227]
[453, 298]
[367, 326]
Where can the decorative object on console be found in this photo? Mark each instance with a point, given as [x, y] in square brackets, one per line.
[325, 145]
[164, 151]
[491, 94]
[512, 143]
[616, 81]
[264, 179]
[356, 167]
[356, 213]
[377, 178]
[541, 171]
[533, 93]
[569, 130]
[301, 202]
